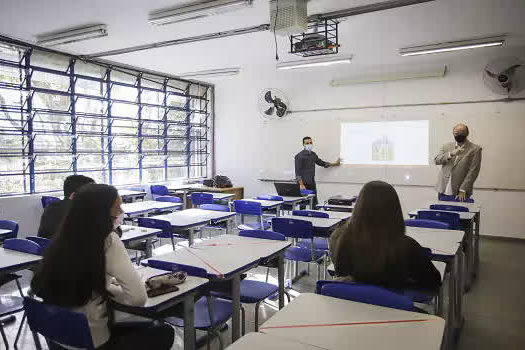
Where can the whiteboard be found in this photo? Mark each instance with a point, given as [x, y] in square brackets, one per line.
[498, 127]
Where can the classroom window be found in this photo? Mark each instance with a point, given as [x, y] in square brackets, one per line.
[60, 115]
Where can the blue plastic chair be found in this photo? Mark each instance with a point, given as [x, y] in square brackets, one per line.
[306, 192]
[270, 198]
[319, 243]
[449, 207]
[46, 200]
[299, 229]
[41, 241]
[205, 201]
[23, 245]
[310, 213]
[8, 225]
[251, 209]
[168, 199]
[446, 198]
[452, 219]
[163, 225]
[159, 190]
[428, 224]
[255, 292]
[364, 293]
[210, 313]
[58, 325]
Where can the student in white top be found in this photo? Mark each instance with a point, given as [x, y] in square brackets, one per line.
[86, 264]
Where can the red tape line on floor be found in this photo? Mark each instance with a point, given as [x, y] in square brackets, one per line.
[349, 324]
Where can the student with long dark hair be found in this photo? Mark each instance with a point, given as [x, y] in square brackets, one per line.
[86, 264]
[372, 246]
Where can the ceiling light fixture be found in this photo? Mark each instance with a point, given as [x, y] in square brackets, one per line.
[194, 11]
[72, 35]
[314, 63]
[211, 73]
[452, 46]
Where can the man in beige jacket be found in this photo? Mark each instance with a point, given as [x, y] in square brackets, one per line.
[460, 164]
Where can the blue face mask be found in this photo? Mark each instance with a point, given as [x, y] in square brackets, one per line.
[308, 147]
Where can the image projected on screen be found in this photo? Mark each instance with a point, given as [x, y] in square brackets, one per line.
[385, 143]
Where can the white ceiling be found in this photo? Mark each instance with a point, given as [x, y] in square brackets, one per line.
[373, 39]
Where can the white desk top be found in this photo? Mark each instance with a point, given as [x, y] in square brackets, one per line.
[462, 215]
[331, 323]
[124, 193]
[185, 187]
[220, 196]
[3, 231]
[189, 285]
[443, 242]
[193, 217]
[133, 233]
[147, 207]
[261, 341]
[291, 199]
[265, 204]
[12, 260]
[472, 207]
[318, 223]
[224, 255]
[335, 214]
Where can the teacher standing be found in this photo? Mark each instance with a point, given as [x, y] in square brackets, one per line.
[460, 164]
[305, 162]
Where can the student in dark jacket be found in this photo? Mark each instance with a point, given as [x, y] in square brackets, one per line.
[55, 212]
[372, 246]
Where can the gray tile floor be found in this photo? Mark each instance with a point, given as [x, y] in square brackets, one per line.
[494, 308]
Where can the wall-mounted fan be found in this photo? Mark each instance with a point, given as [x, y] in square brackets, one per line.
[273, 104]
[505, 76]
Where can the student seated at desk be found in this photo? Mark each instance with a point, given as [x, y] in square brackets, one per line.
[86, 264]
[372, 246]
[55, 212]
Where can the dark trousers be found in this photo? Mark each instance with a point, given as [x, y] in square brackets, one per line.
[140, 336]
[312, 187]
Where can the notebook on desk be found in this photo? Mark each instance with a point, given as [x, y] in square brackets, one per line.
[288, 189]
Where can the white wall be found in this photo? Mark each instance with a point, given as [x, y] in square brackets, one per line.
[242, 138]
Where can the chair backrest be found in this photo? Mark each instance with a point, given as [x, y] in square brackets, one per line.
[270, 198]
[9, 225]
[170, 199]
[159, 190]
[449, 207]
[158, 224]
[58, 325]
[171, 266]
[293, 228]
[45, 200]
[311, 213]
[262, 235]
[215, 207]
[428, 224]
[138, 189]
[198, 198]
[444, 216]
[23, 245]
[364, 293]
[247, 207]
[41, 241]
[306, 192]
[452, 198]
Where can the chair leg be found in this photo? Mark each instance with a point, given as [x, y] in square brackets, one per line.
[19, 330]
[287, 296]
[267, 274]
[257, 305]
[243, 320]
[4, 337]
[208, 340]
[19, 288]
[173, 243]
[218, 335]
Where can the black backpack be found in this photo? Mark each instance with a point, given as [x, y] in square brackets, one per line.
[221, 181]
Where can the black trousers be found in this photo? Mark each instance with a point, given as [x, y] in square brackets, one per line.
[140, 336]
[312, 187]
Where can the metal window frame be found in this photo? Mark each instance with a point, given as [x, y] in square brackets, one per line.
[196, 147]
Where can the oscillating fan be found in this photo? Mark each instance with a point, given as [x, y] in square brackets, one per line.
[505, 76]
[273, 104]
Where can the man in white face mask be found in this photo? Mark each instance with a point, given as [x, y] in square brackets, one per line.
[305, 162]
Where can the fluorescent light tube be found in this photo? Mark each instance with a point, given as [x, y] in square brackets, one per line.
[437, 71]
[211, 73]
[314, 63]
[452, 46]
[194, 11]
[73, 35]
